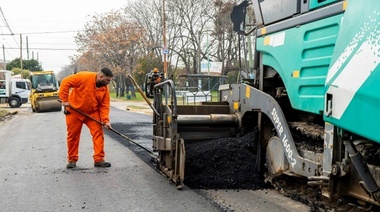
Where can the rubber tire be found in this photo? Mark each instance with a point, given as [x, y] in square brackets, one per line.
[148, 92]
[14, 102]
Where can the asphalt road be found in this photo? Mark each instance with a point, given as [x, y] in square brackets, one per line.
[33, 176]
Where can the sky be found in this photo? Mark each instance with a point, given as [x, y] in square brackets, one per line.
[49, 27]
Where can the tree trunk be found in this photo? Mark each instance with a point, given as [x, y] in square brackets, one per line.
[122, 86]
[117, 85]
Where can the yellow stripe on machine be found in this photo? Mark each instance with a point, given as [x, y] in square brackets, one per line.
[345, 5]
[236, 105]
[247, 92]
[266, 40]
[296, 73]
[263, 31]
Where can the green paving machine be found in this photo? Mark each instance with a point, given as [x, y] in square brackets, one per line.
[313, 101]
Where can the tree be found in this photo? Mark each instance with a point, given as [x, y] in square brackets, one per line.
[196, 30]
[148, 16]
[31, 65]
[227, 45]
[131, 40]
[66, 71]
[183, 20]
[111, 40]
[25, 74]
[192, 21]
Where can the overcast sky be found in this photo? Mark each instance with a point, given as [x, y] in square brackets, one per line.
[50, 27]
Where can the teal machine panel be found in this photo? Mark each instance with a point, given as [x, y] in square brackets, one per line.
[353, 81]
[319, 3]
[302, 55]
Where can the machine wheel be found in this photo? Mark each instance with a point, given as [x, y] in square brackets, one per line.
[275, 157]
[14, 102]
[147, 87]
[148, 92]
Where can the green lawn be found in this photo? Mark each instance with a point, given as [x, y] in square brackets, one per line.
[138, 97]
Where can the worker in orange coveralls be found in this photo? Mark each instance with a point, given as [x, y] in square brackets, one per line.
[89, 93]
[157, 77]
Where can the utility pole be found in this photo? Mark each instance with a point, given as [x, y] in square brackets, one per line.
[199, 53]
[21, 52]
[165, 48]
[27, 48]
[5, 65]
[208, 55]
[208, 62]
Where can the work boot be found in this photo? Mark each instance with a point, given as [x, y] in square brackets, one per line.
[71, 165]
[102, 164]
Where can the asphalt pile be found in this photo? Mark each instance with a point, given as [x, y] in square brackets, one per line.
[226, 163]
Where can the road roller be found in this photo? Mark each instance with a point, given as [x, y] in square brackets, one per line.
[44, 94]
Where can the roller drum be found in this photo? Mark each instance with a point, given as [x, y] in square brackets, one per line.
[44, 105]
[211, 120]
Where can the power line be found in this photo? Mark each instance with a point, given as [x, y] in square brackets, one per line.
[6, 22]
[7, 25]
[47, 32]
[60, 49]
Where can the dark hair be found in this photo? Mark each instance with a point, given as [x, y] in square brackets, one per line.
[107, 72]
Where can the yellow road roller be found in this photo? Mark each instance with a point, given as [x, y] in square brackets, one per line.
[44, 94]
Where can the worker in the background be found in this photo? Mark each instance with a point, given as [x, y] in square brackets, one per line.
[154, 80]
[90, 94]
[156, 76]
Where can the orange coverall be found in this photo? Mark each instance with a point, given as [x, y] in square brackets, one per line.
[95, 102]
